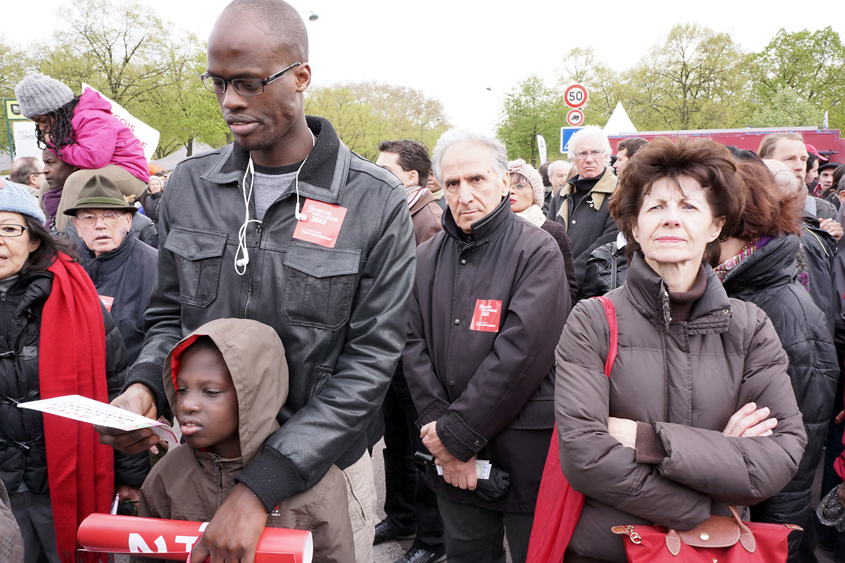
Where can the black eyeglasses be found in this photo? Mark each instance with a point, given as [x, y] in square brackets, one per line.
[243, 86]
[12, 230]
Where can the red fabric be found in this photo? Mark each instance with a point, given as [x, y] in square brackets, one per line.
[771, 540]
[558, 504]
[73, 362]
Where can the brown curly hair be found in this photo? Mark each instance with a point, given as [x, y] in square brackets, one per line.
[767, 211]
[705, 161]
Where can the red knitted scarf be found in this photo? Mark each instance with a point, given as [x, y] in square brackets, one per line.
[73, 362]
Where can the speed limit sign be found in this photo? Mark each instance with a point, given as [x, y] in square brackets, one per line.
[575, 95]
[575, 117]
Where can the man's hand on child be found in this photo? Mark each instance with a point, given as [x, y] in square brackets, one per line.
[233, 533]
[138, 399]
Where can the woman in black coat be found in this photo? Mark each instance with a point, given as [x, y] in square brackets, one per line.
[56, 339]
[526, 197]
[758, 266]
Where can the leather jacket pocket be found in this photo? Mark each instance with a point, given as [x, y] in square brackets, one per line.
[319, 286]
[200, 257]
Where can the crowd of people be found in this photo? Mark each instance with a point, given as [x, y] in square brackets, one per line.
[286, 304]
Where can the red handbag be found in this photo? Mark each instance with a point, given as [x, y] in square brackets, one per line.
[718, 540]
[558, 504]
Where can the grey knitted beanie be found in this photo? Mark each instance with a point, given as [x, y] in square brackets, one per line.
[39, 94]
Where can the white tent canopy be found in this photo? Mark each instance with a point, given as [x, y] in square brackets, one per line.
[619, 122]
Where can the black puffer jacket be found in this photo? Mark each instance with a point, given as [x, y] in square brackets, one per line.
[126, 274]
[22, 450]
[767, 279]
[819, 249]
[606, 270]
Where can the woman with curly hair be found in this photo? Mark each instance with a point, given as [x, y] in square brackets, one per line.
[83, 133]
[697, 412]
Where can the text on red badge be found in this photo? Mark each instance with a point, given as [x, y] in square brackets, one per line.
[486, 315]
[322, 225]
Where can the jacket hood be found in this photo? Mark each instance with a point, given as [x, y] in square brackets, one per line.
[255, 356]
[771, 264]
[91, 100]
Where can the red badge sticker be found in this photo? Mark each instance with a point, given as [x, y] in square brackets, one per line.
[106, 301]
[486, 315]
[323, 224]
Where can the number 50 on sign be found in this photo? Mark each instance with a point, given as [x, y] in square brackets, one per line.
[575, 96]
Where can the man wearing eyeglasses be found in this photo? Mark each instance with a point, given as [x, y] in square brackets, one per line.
[288, 227]
[581, 204]
[122, 267]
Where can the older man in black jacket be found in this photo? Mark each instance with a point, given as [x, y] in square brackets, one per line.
[288, 227]
[122, 267]
[489, 303]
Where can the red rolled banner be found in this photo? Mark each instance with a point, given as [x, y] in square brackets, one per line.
[174, 539]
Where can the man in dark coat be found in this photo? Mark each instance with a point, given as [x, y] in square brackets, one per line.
[489, 302]
[122, 267]
[581, 204]
[410, 506]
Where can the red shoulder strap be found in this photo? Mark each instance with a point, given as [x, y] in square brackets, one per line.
[610, 312]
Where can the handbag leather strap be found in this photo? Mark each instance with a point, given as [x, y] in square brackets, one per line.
[717, 531]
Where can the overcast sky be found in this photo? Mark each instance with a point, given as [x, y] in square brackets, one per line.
[453, 50]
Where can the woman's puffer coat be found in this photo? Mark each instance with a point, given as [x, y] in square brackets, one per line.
[22, 450]
[686, 379]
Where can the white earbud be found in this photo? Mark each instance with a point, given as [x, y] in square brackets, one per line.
[301, 216]
[241, 263]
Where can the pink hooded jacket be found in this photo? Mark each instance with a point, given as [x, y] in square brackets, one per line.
[101, 139]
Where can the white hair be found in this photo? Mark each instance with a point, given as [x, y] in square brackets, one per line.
[589, 133]
[498, 152]
[555, 163]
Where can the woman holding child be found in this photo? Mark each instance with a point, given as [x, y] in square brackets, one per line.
[56, 339]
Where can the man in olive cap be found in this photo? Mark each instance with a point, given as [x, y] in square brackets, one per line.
[122, 267]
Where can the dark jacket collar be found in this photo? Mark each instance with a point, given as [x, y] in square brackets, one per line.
[112, 260]
[483, 229]
[772, 264]
[649, 294]
[322, 176]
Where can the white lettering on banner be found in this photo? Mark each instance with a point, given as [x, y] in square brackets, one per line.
[137, 544]
[188, 541]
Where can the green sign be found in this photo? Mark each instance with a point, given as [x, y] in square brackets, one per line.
[13, 110]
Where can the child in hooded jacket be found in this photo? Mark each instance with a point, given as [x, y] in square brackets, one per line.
[225, 383]
[83, 133]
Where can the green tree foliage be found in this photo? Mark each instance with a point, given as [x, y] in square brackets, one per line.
[147, 65]
[14, 65]
[531, 109]
[694, 80]
[582, 66]
[786, 109]
[366, 113]
[811, 64]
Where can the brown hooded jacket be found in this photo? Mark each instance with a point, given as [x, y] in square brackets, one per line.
[189, 484]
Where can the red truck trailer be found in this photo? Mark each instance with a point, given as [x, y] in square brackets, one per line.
[826, 141]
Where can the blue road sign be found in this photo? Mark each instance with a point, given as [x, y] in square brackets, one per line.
[566, 134]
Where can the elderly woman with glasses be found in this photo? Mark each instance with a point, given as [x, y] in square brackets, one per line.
[581, 204]
[527, 194]
[56, 339]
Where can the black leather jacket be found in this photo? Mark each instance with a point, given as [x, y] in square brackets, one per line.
[341, 312]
